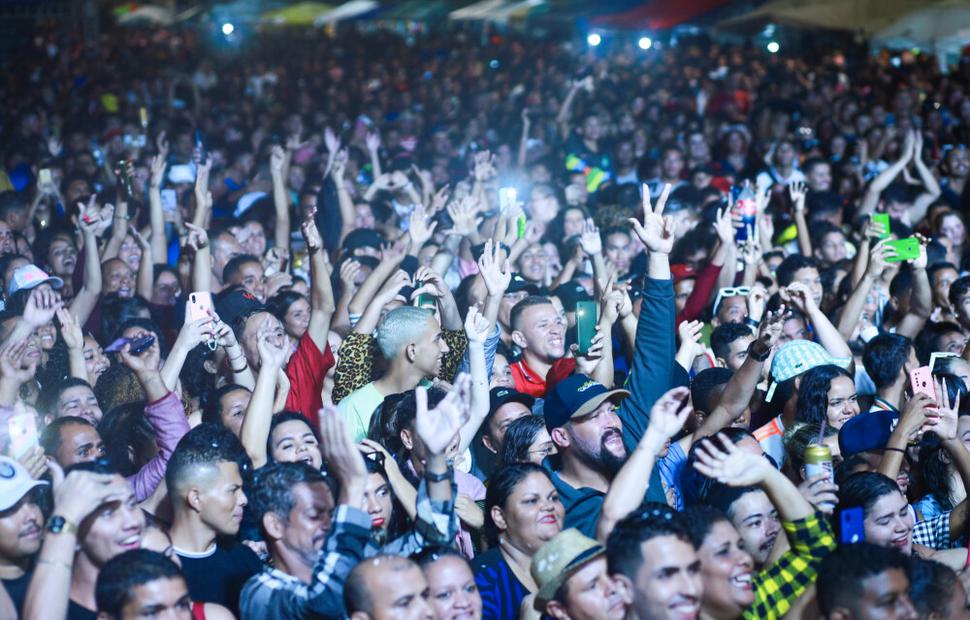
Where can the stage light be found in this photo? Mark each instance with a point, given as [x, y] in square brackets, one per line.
[594, 39]
[645, 43]
[227, 28]
[773, 47]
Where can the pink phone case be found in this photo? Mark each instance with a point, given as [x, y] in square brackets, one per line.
[921, 380]
[199, 306]
[23, 434]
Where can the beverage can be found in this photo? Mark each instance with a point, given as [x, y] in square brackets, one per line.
[818, 460]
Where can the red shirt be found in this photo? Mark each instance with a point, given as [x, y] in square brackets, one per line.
[306, 371]
[527, 380]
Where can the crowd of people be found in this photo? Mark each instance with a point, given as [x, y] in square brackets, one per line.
[448, 328]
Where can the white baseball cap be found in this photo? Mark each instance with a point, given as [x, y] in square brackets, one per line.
[15, 482]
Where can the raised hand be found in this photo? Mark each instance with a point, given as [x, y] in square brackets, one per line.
[821, 492]
[331, 141]
[392, 286]
[440, 199]
[394, 253]
[801, 297]
[197, 238]
[496, 273]
[339, 170]
[946, 426]
[348, 273]
[464, 216]
[194, 333]
[419, 229]
[311, 234]
[476, 326]
[15, 367]
[146, 362]
[373, 141]
[724, 227]
[771, 327]
[590, 239]
[690, 333]
[879, 257]
[757, 301]
[667, 417]
[158, 170]
[438, 427]
[656, 232]
[271, 355]
[42, 304]
[484, 166]
[277, 160]
[81, 492]
[797, 191]
[730, 465]
[70, 329]
[339, 451]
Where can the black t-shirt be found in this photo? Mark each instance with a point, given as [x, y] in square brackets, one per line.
[76, 612]
[17, 589]
[218, 576]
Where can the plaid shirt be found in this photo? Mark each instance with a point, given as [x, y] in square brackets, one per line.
[779, 585]
[275, 595]
[934, 533]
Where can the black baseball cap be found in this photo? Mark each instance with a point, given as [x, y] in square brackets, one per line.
[574, 397]
[570, 293]
[362, 238]
[235, 302]
[519, 284]
[499, 396]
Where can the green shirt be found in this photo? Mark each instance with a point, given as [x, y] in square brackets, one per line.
[358, 407]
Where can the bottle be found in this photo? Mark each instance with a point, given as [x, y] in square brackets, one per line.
[747, 208]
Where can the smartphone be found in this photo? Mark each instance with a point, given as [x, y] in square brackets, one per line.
[882, 219]
[199, 306]
[585, 324]
[507, 198]
[137, 346]
[904, 249]
[169, 201]
[921, 381]
[851, 526]
[143, 117]
[44, 177]
[23, 434]
[521, 223]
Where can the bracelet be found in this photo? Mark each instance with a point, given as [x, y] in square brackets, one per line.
[751, 322]
[55, 563]
[245, 366]
[900, 450]
[754, 353]
[430, 477]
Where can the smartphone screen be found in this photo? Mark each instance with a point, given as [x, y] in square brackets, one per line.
[851, 526]
[585, 325]
[169, 202]
[23, 434]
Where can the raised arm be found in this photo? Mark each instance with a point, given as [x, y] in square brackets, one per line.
[277, 167]
[322, 306]
[921, 299]
[198, 240]
[477, 330]
[797, 192]
[87, 297]
[887, 176]
[828, 335]
[146, 268]
[931, 187]
[192, 334]
[74, 339]
[259, 413]
[345, 201]
[852, 311]
[155, 210]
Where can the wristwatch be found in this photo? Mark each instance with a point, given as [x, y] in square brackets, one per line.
[430, 477]
[57, 524]
[756, 351]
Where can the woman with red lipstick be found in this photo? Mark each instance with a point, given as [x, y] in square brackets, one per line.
[522, 513]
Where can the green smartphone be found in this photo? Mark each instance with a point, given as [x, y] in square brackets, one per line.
[585, 324]
[883, 220]
[904, 249]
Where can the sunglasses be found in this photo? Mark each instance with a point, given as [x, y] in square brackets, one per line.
[730, 291]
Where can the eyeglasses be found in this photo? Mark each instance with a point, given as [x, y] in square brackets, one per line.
[730, 291]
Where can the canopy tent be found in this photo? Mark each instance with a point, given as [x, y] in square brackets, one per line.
[299, 14]
[942, 25]
[865, 16]
[131, 14]
[417, 11]
[478, 10]
[658, 14]
[499, 10]
[347, 10]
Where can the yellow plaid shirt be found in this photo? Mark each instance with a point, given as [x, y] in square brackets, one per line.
[779, 585]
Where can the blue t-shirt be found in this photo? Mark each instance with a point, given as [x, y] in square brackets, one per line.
[500, 589]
